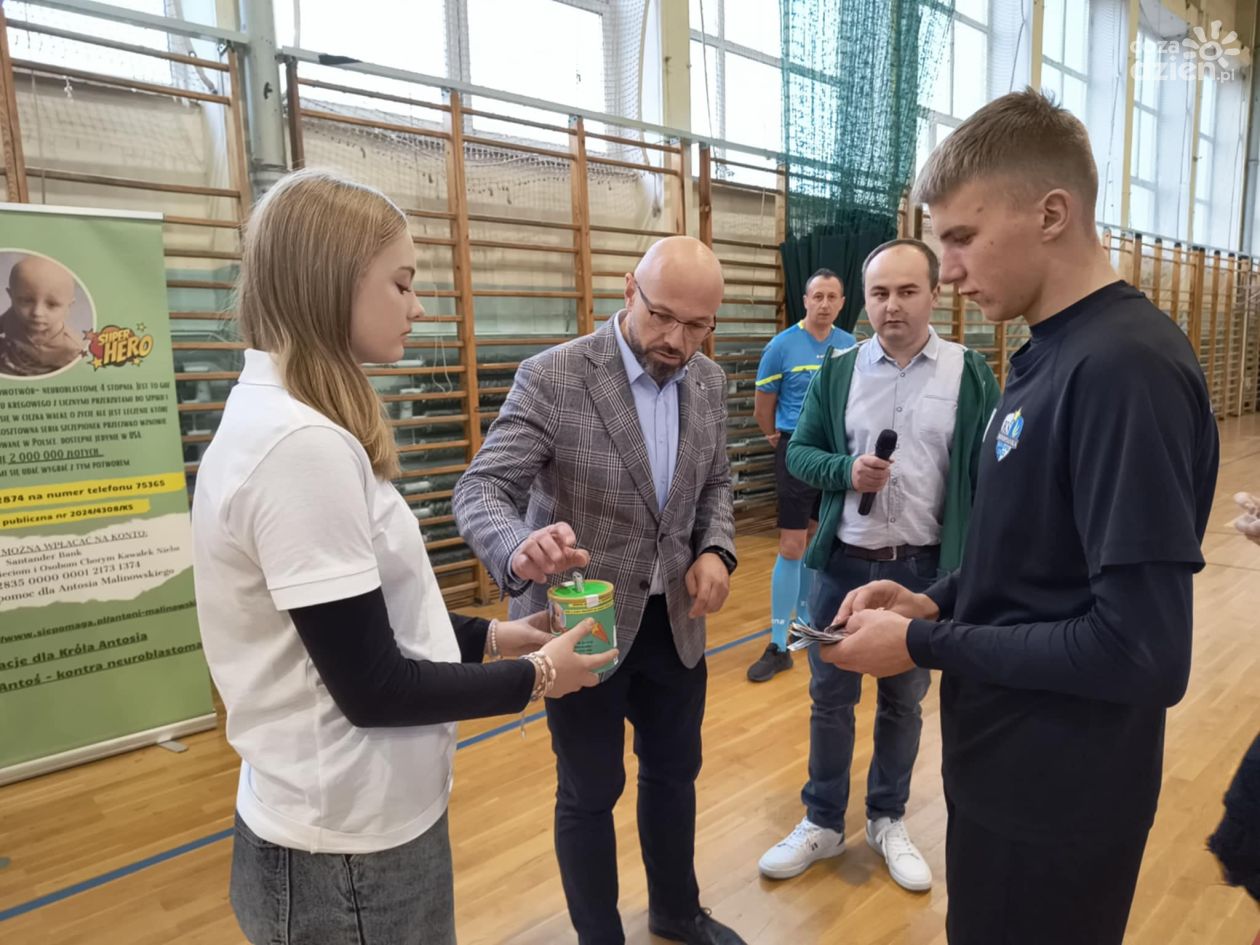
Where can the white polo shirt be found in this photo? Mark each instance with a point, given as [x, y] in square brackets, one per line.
[288, 513]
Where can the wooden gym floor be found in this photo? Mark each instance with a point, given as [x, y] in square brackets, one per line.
[133, 850]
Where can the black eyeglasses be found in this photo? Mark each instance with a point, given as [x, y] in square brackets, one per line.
[667, 323]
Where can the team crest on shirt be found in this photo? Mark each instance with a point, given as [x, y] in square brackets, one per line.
[1008, 436]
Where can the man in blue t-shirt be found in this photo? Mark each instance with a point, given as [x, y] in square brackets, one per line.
[788, 364]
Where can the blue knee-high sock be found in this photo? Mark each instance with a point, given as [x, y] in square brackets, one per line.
[785, 586]
[802, 600]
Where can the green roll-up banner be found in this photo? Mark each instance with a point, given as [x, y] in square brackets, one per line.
[99, 649]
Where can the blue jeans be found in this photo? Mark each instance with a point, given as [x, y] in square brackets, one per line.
[401, 896]
[834, 692]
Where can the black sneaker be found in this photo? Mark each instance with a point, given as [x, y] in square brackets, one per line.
[769, 663]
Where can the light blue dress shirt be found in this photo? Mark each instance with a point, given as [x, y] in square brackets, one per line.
[657, 407]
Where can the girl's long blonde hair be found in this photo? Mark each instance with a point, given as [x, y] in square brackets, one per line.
[307, 244]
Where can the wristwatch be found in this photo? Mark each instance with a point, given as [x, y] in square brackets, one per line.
[728, 559]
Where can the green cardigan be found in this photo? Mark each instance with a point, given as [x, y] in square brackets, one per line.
[818, 451]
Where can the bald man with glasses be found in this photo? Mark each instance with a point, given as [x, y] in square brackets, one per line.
[614, 445]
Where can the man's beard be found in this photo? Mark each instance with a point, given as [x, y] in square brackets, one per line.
[657, 370]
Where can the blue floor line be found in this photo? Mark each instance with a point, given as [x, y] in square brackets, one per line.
[500, 729]
[88, 884]
[740, 642]
[112, 875]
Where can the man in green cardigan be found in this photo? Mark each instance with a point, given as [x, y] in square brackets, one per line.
[938, 396]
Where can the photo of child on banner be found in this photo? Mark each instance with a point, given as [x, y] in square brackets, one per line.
[44, 326]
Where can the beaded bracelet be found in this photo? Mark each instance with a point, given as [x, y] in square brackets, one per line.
[545, 671]
[494, 639]
[540, 676]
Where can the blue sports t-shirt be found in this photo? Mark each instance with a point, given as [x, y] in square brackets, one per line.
[788, 365]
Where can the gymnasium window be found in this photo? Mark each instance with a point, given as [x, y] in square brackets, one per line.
[1218, 178]
[735, 58]
[1065, 53]
[410, 36]
[572, 70]
[962, 81]
[1203, 189]
[88, 57]
[1144, 156]
[571, 46]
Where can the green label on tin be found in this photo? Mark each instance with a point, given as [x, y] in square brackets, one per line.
[569, 607]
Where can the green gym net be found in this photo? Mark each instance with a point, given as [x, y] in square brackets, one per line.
[854, 74]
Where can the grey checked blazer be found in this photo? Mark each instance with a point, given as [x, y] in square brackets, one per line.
[567, 447]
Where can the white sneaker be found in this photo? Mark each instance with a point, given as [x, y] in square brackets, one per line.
[806, 844]
[906, 864]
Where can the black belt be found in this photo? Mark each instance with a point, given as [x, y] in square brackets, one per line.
[888, 554]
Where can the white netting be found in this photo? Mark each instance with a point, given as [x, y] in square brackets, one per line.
[122, 63]
[411, 168]
[623, 79]
[78, 127]
[74, 123]
[81, 126]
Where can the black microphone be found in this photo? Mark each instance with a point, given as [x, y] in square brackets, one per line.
[884, 446]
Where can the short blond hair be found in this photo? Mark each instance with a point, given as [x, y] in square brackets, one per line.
[1024, 137]
[307, 244]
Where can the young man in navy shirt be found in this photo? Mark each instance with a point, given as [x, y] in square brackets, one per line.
[788, 364]
[1066, 633]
